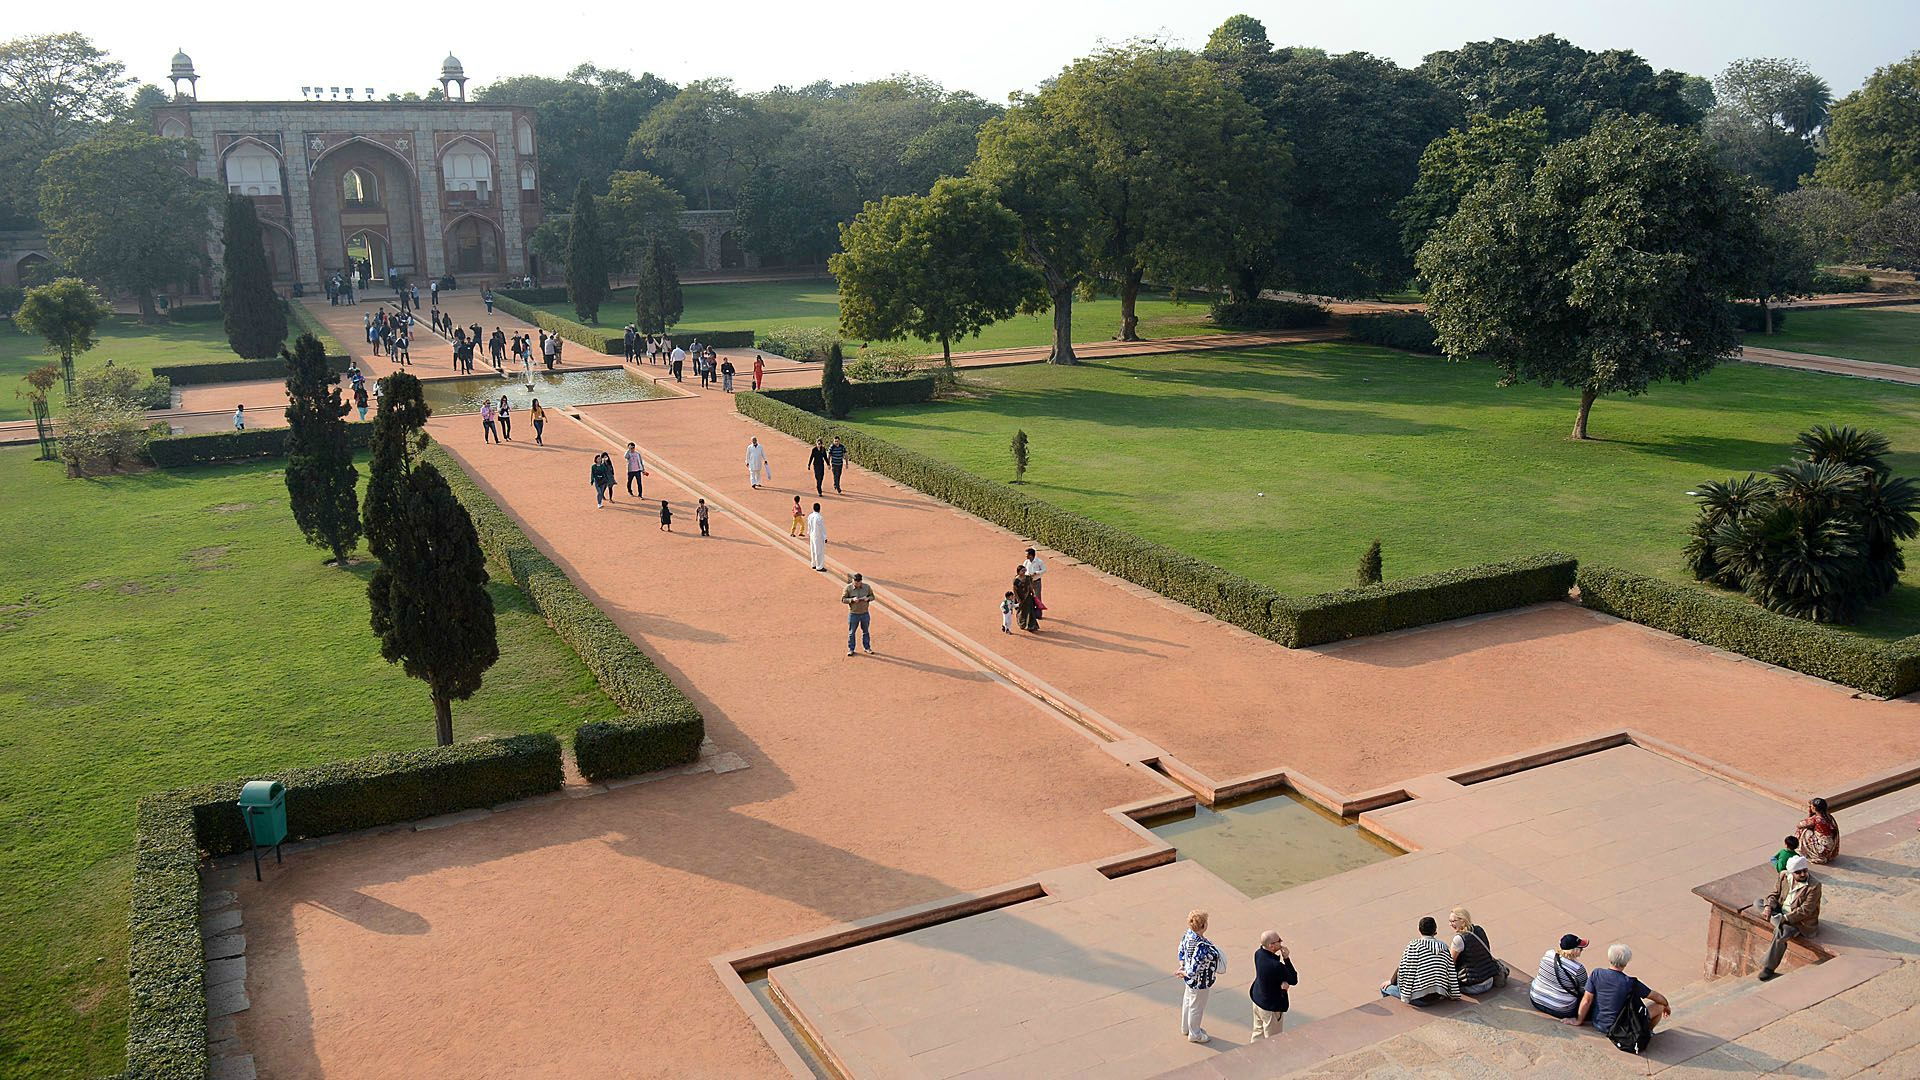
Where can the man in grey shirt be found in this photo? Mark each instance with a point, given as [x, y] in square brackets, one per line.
[857, 596]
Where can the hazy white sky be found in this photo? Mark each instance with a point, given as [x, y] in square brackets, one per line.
[992, 47]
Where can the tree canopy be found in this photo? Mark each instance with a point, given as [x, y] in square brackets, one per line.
[123, 210]
[585, 121]
[1873, 136]
[1455, 163]
[66, 313]
[1609, 267]
[1766, 119]
[1575, 87]
[55, 90]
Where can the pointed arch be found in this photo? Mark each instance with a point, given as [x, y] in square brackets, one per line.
[251, 166]
[314, 161]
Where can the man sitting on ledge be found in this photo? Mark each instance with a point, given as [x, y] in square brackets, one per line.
[1794, 909]
[1426, 973]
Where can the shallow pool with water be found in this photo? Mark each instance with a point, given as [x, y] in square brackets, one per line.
[553, 388]
[1272, 841]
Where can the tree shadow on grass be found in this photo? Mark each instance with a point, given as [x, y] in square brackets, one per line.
[1110, 408]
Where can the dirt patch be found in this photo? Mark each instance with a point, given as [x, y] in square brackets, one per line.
[91, 585]
[209, 558]
[230, 508]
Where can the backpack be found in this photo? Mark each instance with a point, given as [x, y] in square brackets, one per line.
[1633, 1029]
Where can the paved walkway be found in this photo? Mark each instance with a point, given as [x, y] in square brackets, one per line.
[1834, 365]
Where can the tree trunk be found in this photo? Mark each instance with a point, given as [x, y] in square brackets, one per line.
[1586, 406]
[442, 720]
[1063, 327]
[149, 314]
[1129, 296]
[1766, 316]
[66, 371]
[946, 351]
[1246, 285]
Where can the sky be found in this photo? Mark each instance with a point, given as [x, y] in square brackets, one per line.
[991, 47]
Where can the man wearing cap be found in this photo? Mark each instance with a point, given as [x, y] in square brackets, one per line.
[1794, 909]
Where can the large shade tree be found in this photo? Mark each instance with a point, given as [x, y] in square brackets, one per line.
[1460, 160]
[55, 90]
[1573, 86]
[1872, 136]
[123, 210]
[585, 121]
[937, 267]
[1611, 266]
[1766, 119]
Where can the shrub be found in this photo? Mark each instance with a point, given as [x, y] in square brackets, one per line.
[552, 294]
[1293, 622]
[806, 343]
[833, 385]
[105, 427]
[174, 451]
[1752, 320]
[877, 363]
[195, 313]
[865, 395]
[166, 962]
[1887, 669]
[125, 384]
[239, 370]
[1395, 330]
[1829, 281]
[1017, 446]
[10, 297]
[663, 727]
[1268, 314]
[1370, 568]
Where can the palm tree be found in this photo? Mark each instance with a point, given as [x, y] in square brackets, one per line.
[1804, 104]
[1721, 503]
[1845, 446]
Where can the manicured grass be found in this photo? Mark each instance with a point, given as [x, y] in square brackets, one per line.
[1283, 463]
[1883, 335]
[122, 339]
[762, 305]
[172, 628]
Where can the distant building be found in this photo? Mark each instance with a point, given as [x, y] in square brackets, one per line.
[423, 189]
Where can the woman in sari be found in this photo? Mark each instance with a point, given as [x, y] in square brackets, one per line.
[1819, 833]
[1023, 601]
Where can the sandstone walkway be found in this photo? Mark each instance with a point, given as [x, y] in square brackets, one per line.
[1835, 365]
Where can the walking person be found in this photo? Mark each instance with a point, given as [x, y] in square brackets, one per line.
[857, 596]
[817, 538]
[490, 432]
[486, 297]
[506, 419]
[666, 516]
[1272, 974]
[1200, 963]
[239, 418]
[700, 515]
[674, 359]
[1007, 607]
[799, 520]
[817, 461]
[837, 458]
[539, 414]
[759, 370]
[360, 398]
[636, 468]
[631, 339]
[602, 478]
[1036, 569]
[757, 462]
[726, 375]
[1027, 616]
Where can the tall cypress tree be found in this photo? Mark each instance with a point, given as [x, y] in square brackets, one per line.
[256, 317]
[586, 256]
[322, 483]
[429, 600]
[833, 384]
[657, 303]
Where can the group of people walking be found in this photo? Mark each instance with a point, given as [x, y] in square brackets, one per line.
[391, 334]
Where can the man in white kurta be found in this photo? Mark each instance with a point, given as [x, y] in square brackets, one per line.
[757, 462]
[817, 538]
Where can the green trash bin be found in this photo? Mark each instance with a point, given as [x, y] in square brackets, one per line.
[263, 806]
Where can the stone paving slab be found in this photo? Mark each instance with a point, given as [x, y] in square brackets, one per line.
[933, 1002]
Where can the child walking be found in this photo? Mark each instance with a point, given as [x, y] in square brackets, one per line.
[1006, 612]
[700, 515]
[799, 520]
[666, 516]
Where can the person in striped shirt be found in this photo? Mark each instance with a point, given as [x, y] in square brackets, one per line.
[1426, 972]
[1200, 963]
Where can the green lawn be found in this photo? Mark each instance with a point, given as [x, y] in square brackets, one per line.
[763, 305]
[122, 339]
[171, 628]
[1879, 334]
[1282, 463]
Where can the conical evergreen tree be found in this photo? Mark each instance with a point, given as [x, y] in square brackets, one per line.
[322, 483]
[586, 256]
[657, 303]
[429, 600]
[833, 384]
[256, 317]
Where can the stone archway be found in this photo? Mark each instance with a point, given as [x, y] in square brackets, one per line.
[362, 189]
[279, 247]
[473, 246]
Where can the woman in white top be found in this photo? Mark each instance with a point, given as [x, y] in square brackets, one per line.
[1556, 989]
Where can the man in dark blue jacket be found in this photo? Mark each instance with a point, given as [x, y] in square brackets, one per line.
[1272, 974]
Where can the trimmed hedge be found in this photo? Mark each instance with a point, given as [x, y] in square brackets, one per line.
[166, 962]
[1268, 314]
[1887, 669]
[1295, 622]
[195, 313]
[172, 451]
[611, 342]
[860, 395]
[1409, 331]
[1828, 281]
[301, 321]
[663, 727]
[547, 294]
[218, 371]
